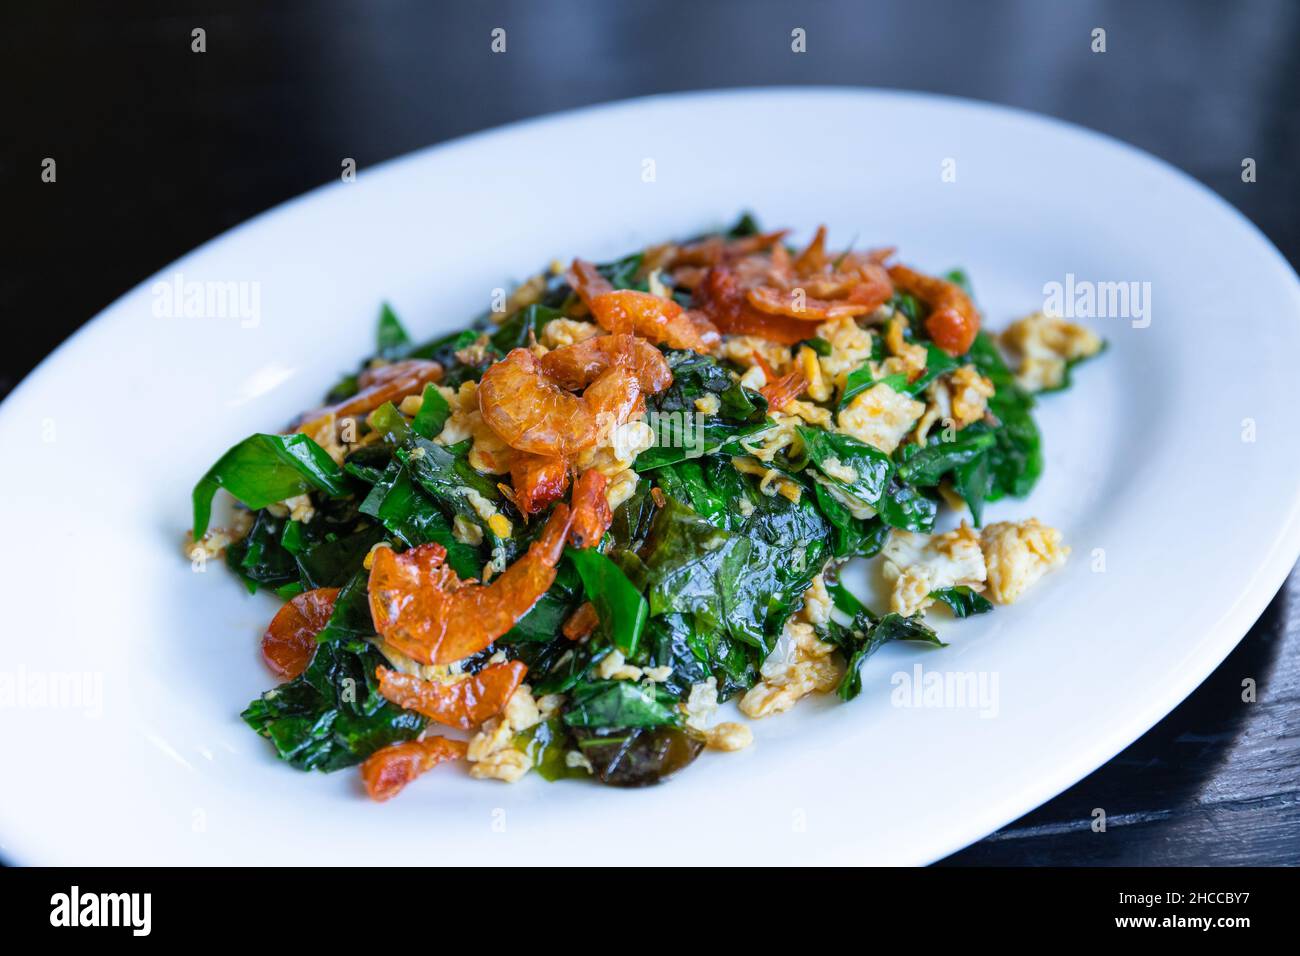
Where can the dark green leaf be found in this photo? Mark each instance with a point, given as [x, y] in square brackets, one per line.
[264, 469]
[872, 467]
[619, 605]
[616, 704]
[962, 600]
[433, 414]
[391, 340]
[637, 757]
[332, 716]
[865, 638]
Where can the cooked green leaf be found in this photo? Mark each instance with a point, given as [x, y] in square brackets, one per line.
[332, 715]
[433, 414]
[617, 704]
[619, 605]
[391, 340]
[962, 600]
[264, 469]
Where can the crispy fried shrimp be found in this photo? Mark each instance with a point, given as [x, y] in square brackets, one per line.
[388, 770]
[423, 609]
[815, 287]
[660, 320]
[532, 413]
[953, 320]
[721, 297]
[715, 249]
[387, 383]
[538, 481]
[581, 622]
[576, 366]
[290, 640]
[780, 392]
[759, 294]
[591, 514]
[624, 311]
[587, 281]
[463, 703]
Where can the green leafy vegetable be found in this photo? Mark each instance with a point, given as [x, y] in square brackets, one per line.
[332, 715]
[619, 605]
[391, 340]
[962, 600]
[927, 465]
[264, 469]
[619, 704]
[831, 453]
[864, 637]
[433, 414]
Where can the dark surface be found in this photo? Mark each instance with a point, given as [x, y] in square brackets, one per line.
[160, 149]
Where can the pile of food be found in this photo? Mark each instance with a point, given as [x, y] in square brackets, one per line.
[557, 540]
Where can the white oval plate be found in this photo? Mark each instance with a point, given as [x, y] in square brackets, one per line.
[1171, 469]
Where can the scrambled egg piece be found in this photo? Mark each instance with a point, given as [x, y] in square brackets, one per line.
[614, 666]
[440, 673]
[917, 564]
[214, 542]
[708, 404]
[906, 357]
[558, 333]
[1018, 554]
[741, 349]
[698, 709]
[960, 397]
[492, 754]
[851, 345]
[1044, 345]
[466, 531]
[728, 736]
[700, 704]
[773, 482]
[970, 393]
[616, 452]
[621, 487]
[799, 665]
[489, 454]
[880, 416]
[817, 603]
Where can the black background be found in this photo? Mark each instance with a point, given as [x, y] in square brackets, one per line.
[159, 149]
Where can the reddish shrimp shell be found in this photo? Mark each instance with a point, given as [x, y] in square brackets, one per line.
[462, 703]
[653, 317]
[423, 609]
[782, 391]
[387, 771]
[290, 639]
[721, 298]
[532, 413]
[387, 383]
[581, 622]
[953, 321]
[578, 365]
[537, 481]
[591, 514]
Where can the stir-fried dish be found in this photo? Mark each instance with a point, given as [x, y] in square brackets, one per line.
[557, 540]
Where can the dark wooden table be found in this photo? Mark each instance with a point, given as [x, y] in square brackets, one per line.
[159, 148]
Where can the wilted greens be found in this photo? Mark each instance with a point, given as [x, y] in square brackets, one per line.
[741, 510]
